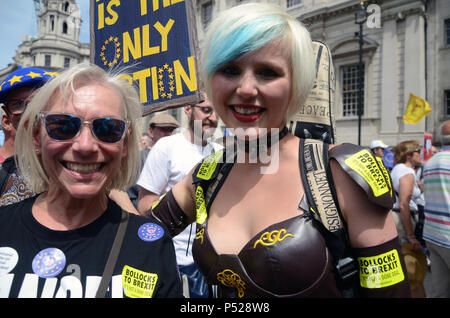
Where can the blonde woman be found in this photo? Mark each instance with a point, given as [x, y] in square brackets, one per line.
[77, 139]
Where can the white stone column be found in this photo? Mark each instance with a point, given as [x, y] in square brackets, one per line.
[389, 79]
[414, 76]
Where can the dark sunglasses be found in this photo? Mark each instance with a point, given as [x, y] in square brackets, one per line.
[64, 127]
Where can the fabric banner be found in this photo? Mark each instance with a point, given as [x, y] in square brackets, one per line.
[156, 42]
[416, 109]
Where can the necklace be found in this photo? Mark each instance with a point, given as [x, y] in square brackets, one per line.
[256, 146]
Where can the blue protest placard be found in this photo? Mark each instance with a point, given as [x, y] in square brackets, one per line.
[156, 41]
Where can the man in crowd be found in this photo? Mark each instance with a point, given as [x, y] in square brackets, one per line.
[167, 164]
[377, 147]
[436, 231]
[160, 125]
[16, 92]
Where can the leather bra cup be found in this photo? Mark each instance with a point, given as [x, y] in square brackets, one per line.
[287, 259]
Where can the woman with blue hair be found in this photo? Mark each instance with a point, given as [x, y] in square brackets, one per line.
[257, 235]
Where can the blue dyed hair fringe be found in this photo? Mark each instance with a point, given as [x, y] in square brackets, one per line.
[247, 38]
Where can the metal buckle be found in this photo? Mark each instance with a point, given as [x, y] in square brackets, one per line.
[347, 271]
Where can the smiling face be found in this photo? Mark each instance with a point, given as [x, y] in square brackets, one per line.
[254, 90]
[82, 166]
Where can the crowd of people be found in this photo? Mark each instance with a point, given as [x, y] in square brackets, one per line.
[422, 211]
[97, 208]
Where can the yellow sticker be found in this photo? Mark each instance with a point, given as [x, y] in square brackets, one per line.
[200, 206]
[365, 165]
[381, 270]
[385, 172]
[209, 165]
[138, 284]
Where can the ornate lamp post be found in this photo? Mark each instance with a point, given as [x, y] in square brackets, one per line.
[360, 18]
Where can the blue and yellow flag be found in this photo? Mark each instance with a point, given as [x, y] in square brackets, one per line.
[416, 109]
[156, 42]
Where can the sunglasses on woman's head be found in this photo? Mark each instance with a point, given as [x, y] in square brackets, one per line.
[63, 127]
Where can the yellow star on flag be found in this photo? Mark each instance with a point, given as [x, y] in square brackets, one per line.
[15, 79]
[52, 74]
[33, 74]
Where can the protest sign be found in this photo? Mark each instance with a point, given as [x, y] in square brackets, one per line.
[427, 144]
[315, 119]
[156, 42]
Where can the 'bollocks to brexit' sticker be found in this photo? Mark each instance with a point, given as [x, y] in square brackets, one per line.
[381, 270]
[137, 283]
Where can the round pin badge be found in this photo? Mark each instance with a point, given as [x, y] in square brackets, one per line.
[49, 262]
[150, 232]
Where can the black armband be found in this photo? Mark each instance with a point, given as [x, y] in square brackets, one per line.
[382, 271]
[169, 212]
[367, 171]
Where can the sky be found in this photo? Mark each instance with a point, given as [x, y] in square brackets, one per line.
[17, 18]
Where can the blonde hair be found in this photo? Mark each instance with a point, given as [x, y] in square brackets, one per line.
[403, 149]
[246, 28]
[64, 86]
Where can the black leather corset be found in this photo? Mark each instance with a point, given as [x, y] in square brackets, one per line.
[287, 259]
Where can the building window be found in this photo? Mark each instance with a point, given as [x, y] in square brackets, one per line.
[65, 28]
[350, 90]
[66, 62]
[207, 13]
[66, 7]
[447, 102]
[291, 3]
[48, 60]
[447, 31]
[52, 22]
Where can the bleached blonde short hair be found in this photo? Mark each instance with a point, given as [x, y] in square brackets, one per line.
[246, 28]
[64, 86]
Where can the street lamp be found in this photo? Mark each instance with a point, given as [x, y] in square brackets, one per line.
[360, 18]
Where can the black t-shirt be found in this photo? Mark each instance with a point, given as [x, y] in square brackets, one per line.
[37, 262]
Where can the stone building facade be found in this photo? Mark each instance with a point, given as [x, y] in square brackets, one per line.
[406, 49]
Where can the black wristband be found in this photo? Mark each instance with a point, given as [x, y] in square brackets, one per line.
[382, 271]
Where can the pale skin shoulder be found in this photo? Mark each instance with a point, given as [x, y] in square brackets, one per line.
[368, 223]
